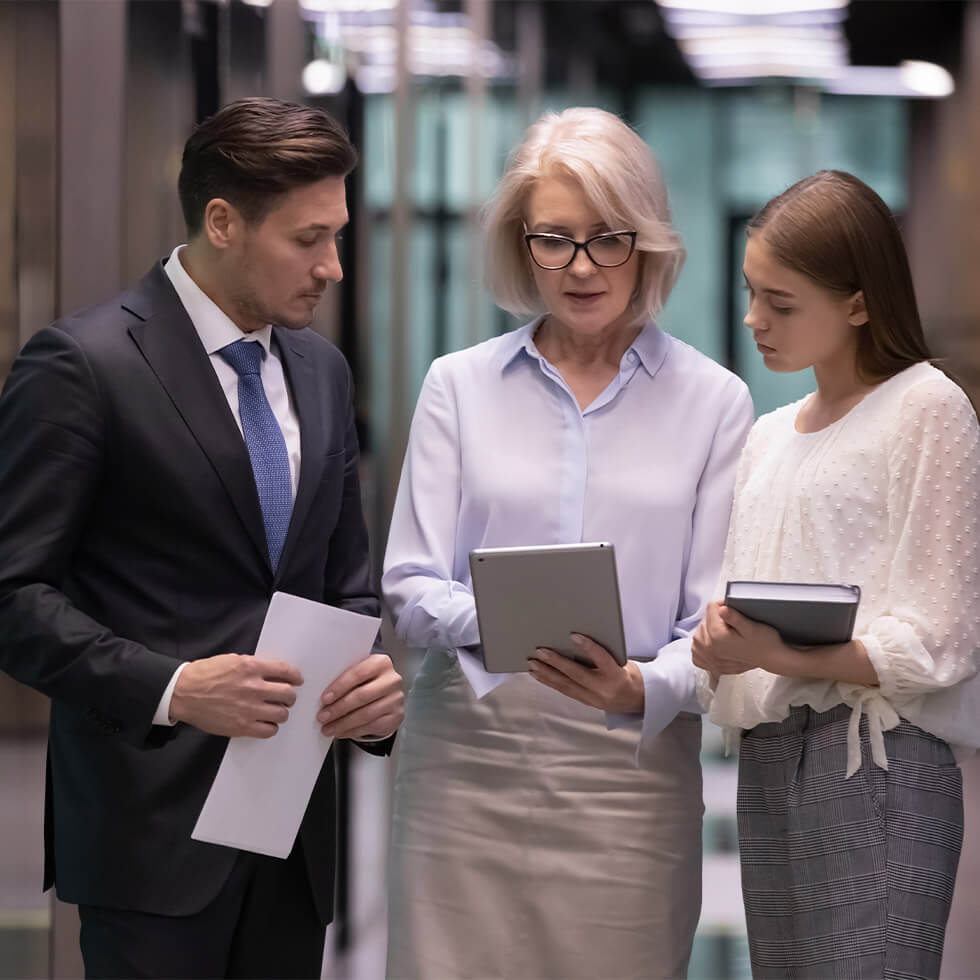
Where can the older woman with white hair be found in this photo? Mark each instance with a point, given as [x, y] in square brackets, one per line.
[526, 841]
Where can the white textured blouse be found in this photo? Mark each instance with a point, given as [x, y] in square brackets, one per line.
[500, 453]
[886, 498]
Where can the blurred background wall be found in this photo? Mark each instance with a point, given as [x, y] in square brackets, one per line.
[737, 99]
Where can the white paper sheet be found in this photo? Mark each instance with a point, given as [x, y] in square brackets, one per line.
[263, 785]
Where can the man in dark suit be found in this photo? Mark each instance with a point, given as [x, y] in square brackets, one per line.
[168, 460]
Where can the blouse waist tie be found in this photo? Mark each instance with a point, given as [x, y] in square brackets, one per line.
[881, 718]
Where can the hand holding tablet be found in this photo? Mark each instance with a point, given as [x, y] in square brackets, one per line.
[530, 597]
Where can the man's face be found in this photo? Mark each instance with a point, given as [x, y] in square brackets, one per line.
[277, 269]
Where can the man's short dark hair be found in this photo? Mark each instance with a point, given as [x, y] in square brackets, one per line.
[253, 151]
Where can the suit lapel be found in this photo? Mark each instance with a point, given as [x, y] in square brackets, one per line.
[167, 339]
[297, 362]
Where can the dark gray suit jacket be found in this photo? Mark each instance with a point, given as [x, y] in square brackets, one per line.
[131, 538]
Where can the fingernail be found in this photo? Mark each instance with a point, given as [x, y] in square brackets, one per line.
[577, 639]
[329, 697]
[323, 717]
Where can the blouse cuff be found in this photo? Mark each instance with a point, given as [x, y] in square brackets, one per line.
[447, 622]
[881, 663]
[903, 665]
[668, 689]
[479, 678]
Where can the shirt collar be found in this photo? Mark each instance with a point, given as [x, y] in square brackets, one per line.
[517, 343]
[650, 346]
[213, 325]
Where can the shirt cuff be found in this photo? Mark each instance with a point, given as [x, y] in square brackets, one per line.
[668, 689]
[443, 622]
[162, 714]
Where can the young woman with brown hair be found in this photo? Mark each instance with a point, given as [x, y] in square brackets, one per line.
[850, 805]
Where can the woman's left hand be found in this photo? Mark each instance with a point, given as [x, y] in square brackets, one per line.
[726, 642]
[604, 685]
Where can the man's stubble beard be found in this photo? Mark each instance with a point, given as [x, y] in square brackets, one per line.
[252, 311]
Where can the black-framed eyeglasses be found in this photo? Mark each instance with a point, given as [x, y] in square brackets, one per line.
[607, 250]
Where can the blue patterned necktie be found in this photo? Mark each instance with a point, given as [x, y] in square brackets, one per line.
[265, 443]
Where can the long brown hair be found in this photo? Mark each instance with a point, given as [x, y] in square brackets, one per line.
[837, 231]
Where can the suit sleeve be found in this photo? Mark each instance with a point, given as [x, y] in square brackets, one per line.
[52, 439]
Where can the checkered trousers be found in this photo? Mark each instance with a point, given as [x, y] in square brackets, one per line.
[846, 878]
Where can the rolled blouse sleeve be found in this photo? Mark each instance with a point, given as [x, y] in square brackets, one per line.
[929, 636]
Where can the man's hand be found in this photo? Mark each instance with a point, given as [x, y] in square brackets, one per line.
[231, 694]
[366, 701]
[604, 685]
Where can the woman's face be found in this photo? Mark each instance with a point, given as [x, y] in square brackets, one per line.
[795, 322]
[584, 298]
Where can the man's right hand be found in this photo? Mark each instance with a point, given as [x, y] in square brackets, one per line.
[231, 694]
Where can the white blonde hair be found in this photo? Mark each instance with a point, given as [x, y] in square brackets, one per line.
[620, 179]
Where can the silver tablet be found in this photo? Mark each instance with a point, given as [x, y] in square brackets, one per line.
[536, 596]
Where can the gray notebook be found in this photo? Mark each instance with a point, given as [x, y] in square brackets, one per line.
[805, 614]
[536, 596]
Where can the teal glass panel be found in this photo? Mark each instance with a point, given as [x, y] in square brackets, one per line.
[380, 312]
[429, 144]
[422, 299]
[679, 125]
[720, 954]
[378, 152]
[457, 326]
[509, 124]
[471, 315]
[496, 125]
[869, 137]
[775, 135]
[555, 100]
[467, 172]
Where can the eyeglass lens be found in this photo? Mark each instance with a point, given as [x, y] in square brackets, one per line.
[555, 252]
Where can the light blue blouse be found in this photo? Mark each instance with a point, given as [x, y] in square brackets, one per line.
[501, 454]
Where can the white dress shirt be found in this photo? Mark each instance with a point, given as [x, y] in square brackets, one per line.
[886, 498]
[500, 453]
[216, 330]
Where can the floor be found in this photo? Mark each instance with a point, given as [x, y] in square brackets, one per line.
[25, 915]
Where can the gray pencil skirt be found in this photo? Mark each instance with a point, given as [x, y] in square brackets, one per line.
[846, 877]
[526, 844]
